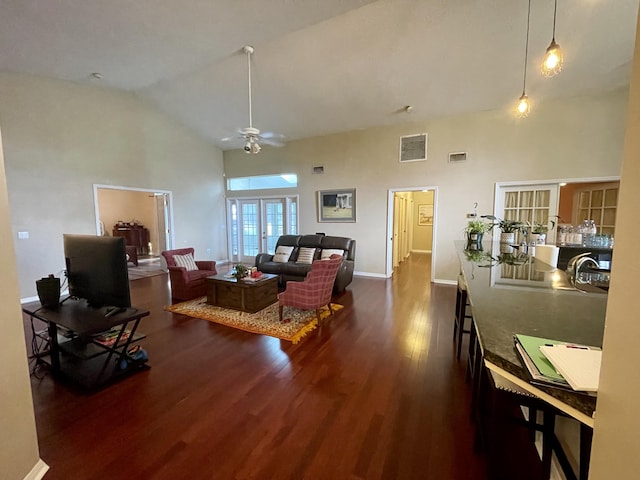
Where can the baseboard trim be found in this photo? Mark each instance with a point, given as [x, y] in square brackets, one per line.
[38, 471]
[367, 274]
[442, 281]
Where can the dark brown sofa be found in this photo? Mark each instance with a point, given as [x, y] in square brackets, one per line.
[293, 270]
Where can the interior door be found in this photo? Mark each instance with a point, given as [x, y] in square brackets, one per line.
[529, 204]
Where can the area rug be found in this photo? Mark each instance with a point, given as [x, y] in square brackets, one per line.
[146, 268]
[295, 325]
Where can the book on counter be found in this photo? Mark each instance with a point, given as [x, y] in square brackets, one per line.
[543, 371]
[578, 364]
[538, 366]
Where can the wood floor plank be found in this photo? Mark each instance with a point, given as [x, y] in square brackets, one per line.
[375, 393]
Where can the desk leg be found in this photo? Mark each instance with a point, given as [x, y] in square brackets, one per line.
[54, 349]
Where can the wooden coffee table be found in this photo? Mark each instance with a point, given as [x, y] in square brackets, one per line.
[242, 295]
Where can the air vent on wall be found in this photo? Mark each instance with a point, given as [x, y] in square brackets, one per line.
[457, 157]
[413, 148]
[318, 169]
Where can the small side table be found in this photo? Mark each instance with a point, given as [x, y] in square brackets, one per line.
[132, 254]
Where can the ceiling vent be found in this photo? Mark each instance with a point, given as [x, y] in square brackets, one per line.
[413, 148]
[318, 169]
[457, 157]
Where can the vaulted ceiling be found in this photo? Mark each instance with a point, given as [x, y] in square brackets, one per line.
[320, 66]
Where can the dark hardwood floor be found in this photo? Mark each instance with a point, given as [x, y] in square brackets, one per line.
[375, 393]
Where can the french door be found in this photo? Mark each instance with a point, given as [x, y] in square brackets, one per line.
[257, 223]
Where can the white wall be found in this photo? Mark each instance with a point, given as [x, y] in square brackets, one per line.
[18, 440]
[616, 441]
[580, 137]
[60, 138]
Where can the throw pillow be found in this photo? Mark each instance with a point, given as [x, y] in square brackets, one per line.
[327, 252]
[185, 261]
[282, 254]
[306, 255]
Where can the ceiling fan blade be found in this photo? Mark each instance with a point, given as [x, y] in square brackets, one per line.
[272, 135]
[272, 142]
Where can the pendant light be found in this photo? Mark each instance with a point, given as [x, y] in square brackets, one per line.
[552, 61]
[524, 105]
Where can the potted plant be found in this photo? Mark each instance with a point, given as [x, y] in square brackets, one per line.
[240, 271]
[508, 228]
[475, 230]
[539, 231]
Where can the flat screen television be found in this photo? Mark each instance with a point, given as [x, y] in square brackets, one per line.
[97, 270]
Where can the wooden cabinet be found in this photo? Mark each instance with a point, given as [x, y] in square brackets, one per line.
[134, 235]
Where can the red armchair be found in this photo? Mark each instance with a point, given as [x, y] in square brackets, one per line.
[188, 284]
[315, 291]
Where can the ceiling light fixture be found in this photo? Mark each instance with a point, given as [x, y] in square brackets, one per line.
[524, 105]
[552, 61]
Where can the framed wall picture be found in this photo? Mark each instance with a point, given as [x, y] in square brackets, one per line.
[337, 205]
[425, 214]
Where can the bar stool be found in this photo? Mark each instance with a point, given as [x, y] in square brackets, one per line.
[460, 316]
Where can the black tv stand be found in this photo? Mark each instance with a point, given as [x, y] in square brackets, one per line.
[81, 357]
[111, 311]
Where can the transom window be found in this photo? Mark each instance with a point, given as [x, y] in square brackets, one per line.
[263, 182]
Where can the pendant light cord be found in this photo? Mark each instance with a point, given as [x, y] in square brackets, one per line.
[526, 51]
[555, 10]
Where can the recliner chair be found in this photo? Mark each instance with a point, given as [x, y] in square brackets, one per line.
[188, 282]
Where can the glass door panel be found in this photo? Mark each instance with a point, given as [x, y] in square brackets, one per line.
[255, 224]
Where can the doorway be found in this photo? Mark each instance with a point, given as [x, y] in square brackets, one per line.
[149, 208]
[411, 224]
[256, 223]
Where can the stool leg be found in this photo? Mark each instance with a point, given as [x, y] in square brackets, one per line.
[456, 314]
[462, 314]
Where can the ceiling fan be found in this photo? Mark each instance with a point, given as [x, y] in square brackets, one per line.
[253, 138]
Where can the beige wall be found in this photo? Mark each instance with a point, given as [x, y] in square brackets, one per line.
[129, 206]
[18, 440]
[61, 138]
[579, 137]
[422, 234]
[616, 440]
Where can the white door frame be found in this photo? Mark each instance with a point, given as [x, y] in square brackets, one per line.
[169, 214]
[389, 242]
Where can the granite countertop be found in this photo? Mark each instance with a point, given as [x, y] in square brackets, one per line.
[522, 295]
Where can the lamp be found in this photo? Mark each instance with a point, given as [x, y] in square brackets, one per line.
[524, 105]
[552, 61]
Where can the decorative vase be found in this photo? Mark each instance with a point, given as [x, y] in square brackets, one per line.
[507, 237]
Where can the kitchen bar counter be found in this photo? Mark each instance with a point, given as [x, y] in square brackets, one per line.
[530, 298]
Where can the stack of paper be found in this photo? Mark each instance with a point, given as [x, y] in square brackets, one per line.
[578, 364]
[538, 366]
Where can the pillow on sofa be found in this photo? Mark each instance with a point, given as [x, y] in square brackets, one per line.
[327, 252]
[282, 254]
[185, 261]
[306, 255]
